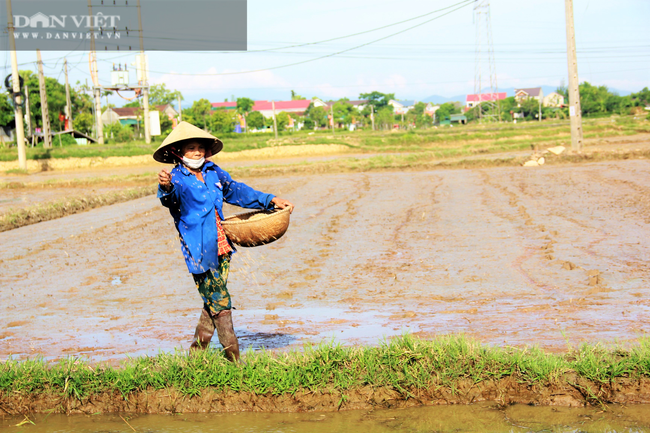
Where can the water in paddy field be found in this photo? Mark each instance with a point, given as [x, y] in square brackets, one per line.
[553, 257]
[471, 418]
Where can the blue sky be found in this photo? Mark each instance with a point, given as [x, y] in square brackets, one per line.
[436, 58]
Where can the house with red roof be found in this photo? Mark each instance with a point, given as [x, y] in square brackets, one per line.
[473, 100]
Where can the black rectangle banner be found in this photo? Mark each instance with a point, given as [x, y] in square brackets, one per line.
[167, 25]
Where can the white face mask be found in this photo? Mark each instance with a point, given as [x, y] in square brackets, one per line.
[193, 163]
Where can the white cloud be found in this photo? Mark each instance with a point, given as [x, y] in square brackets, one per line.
[196, 84]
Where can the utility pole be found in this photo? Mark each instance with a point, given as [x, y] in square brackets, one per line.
[372, 116]
[540, 106]
[145, 88]
[18, 110]
[180, 115]
[28, 116]
[97, 90]
[68, 103]
[575, 111]
[275, 123]
[332, 116]
[45, 112]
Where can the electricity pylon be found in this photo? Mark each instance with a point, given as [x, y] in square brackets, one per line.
[488, 103]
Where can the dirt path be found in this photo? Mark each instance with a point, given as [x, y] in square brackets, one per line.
[511, 255]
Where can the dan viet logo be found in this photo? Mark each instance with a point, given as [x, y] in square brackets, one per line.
[67, 26]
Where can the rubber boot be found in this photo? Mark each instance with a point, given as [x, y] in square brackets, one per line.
[226, 333]
[204, 331]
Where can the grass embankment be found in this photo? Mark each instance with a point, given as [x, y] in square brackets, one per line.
[403, 372]
[69, 206]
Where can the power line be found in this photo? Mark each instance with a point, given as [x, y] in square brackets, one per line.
[321, 57]
[466, 2]
[177, 37]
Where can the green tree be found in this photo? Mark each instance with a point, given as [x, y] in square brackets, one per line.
[82, 101]
[308, 123]
[84, 123]
[255, 120]
[199, 113]
[446, 110]
[597, 99]
[55, 99]
[6, 109]
[159, 94]
[416, 115]
[118, 133]
[419, 108]
[244, 106]
[641, 98]
[530, 108]
[506, 106]
[282, 119]
[384, 117]
[222, 121]
[296, 97]
[317, 115]
[343, 112]
[377, 99]
[166, 125]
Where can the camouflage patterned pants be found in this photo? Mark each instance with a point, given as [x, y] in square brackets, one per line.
[212, 286]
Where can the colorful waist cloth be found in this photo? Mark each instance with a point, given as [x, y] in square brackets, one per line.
[212, 287]
[222, 241]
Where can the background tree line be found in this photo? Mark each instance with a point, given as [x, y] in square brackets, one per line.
[595, 101]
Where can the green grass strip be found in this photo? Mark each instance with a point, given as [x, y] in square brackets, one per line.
[486, 135]
[118, 180]
[60, 208]
[404, 363]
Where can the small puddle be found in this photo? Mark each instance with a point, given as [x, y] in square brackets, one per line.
[261, 340]
[471, 418]
[290, 328]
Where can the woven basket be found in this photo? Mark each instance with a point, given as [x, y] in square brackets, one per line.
[259, 227]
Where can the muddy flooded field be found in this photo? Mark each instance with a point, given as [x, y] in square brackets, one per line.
[475, 418]
[549, 256]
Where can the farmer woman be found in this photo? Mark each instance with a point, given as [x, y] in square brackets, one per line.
[194, 192]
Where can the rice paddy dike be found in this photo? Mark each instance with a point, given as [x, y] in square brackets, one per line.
[402, 372]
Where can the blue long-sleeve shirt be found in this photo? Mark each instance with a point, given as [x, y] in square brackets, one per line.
[193, 203]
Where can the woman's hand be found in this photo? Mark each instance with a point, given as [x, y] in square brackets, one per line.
[281, 203]
[165, 179]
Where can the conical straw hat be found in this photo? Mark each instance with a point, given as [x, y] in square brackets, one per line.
[185, 131]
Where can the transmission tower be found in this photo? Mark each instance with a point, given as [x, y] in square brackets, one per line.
[485, 86]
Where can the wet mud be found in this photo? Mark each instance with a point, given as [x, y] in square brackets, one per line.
[553, 256]
[569, 391]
